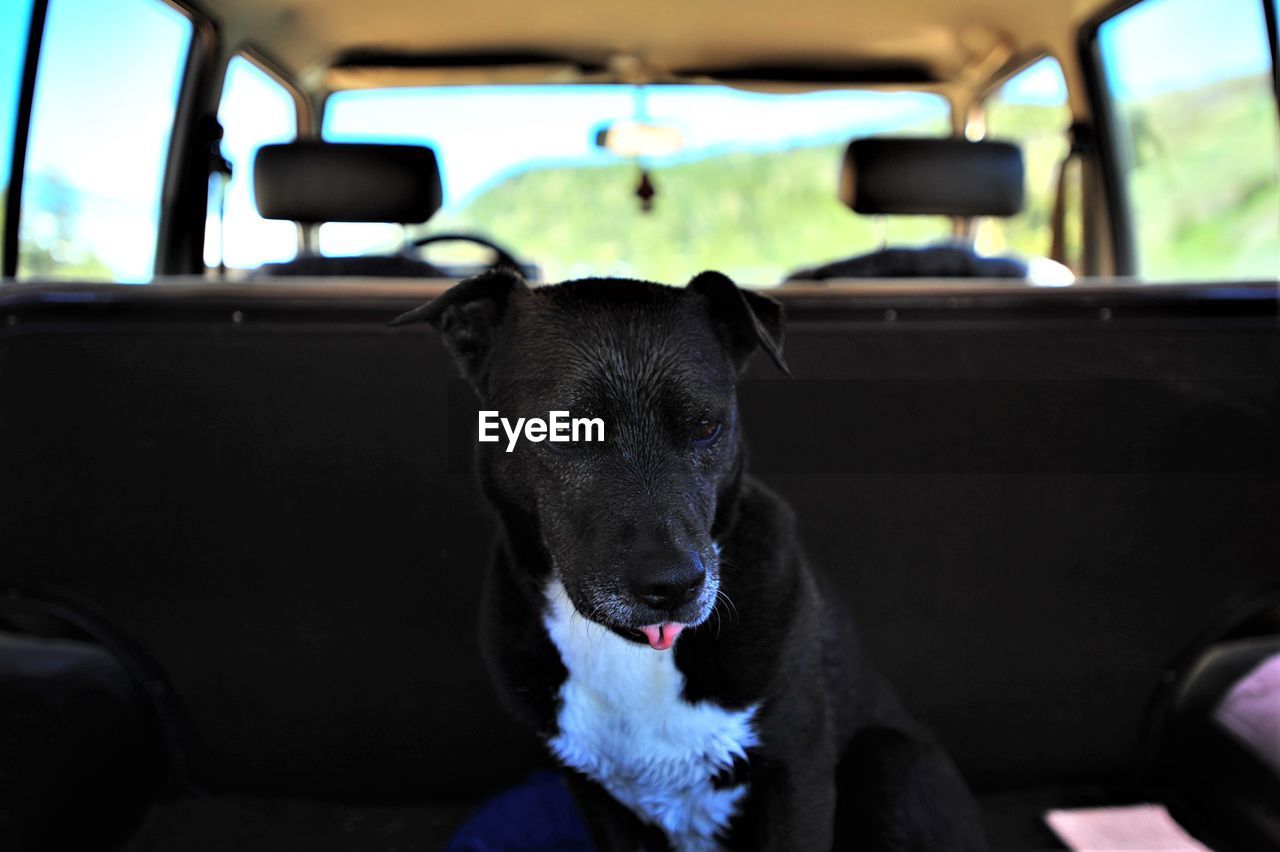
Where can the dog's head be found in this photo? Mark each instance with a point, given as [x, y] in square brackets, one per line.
[627, 523]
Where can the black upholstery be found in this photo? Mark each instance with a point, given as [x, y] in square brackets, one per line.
[228, 823]
[315, 182]
[1228, 777]
[79, 761]
[932, 177]
[374, 266]
[1033, 511]
[940, 261]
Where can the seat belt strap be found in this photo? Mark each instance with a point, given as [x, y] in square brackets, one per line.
[1080, 137]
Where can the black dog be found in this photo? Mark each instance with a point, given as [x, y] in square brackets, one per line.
[649, 612]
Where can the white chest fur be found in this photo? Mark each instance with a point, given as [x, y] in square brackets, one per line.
[623, 723]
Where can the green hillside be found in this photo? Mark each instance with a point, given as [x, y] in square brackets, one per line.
[1041, 133]
[58, 255]
[1205, 195]
[756, 215]
[1205, 189]
[1203, 184]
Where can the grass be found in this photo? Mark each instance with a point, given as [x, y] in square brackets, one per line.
[756, 214]
[1204, 182]
[1203, 187]
[1204, 190]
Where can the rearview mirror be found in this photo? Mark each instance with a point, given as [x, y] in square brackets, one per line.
[631, 138]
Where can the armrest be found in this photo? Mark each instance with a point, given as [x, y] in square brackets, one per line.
[1224, 744]
[79, 754]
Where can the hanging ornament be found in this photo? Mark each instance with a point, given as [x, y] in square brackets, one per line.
[645, 191]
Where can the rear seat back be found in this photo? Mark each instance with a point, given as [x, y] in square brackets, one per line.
[1032, 511]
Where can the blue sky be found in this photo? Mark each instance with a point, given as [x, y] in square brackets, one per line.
[15, 17]
[102, 120]
[1165, 45]
[249, 239]
[106, 89]
[1042, 84]
[482, 133]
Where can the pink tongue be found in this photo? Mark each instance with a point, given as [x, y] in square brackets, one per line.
[662, 636]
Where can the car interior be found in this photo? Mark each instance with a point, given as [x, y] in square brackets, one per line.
[929, 177]
[1029, 254]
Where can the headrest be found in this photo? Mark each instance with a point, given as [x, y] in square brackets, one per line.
[932, 177]
[314, 182]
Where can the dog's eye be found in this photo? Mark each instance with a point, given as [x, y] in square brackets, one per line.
[706, 430]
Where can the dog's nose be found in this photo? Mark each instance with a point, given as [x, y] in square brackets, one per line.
[673, 585]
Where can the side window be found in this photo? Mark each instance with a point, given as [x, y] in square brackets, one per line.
[255, 110]
[1196, 136]
[1031, 110]
[101, 123]
[15, 22]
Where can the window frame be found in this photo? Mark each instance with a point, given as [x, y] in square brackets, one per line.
[21, 135]
[944, 95]
[184, 137]
[992, 88]
[1089, 53]
[180, 246]
[184, 173]
[1269, 14]
[1007, 72]
[264, 63]
[304, 127]
[202, 35]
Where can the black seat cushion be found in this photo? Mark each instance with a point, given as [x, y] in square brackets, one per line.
[369, 266]
[80, 755]
[216, 823]
[1236, 783]
[940, 261]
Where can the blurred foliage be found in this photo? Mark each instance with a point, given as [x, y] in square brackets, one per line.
[1204, 192]
[62, 262]
[754, 214]
[56, 253]
[1041, 132]
[1204, 181]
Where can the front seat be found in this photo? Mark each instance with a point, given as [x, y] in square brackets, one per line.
[315, 182]
[928, 177]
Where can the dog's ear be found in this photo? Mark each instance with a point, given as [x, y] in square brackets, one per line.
[468, 315]
[744, 320]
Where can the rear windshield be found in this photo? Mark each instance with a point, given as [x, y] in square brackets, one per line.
[742, 181]
[1194, 98]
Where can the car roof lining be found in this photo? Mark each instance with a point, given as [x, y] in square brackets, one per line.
[957, 45]
[354, 69]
